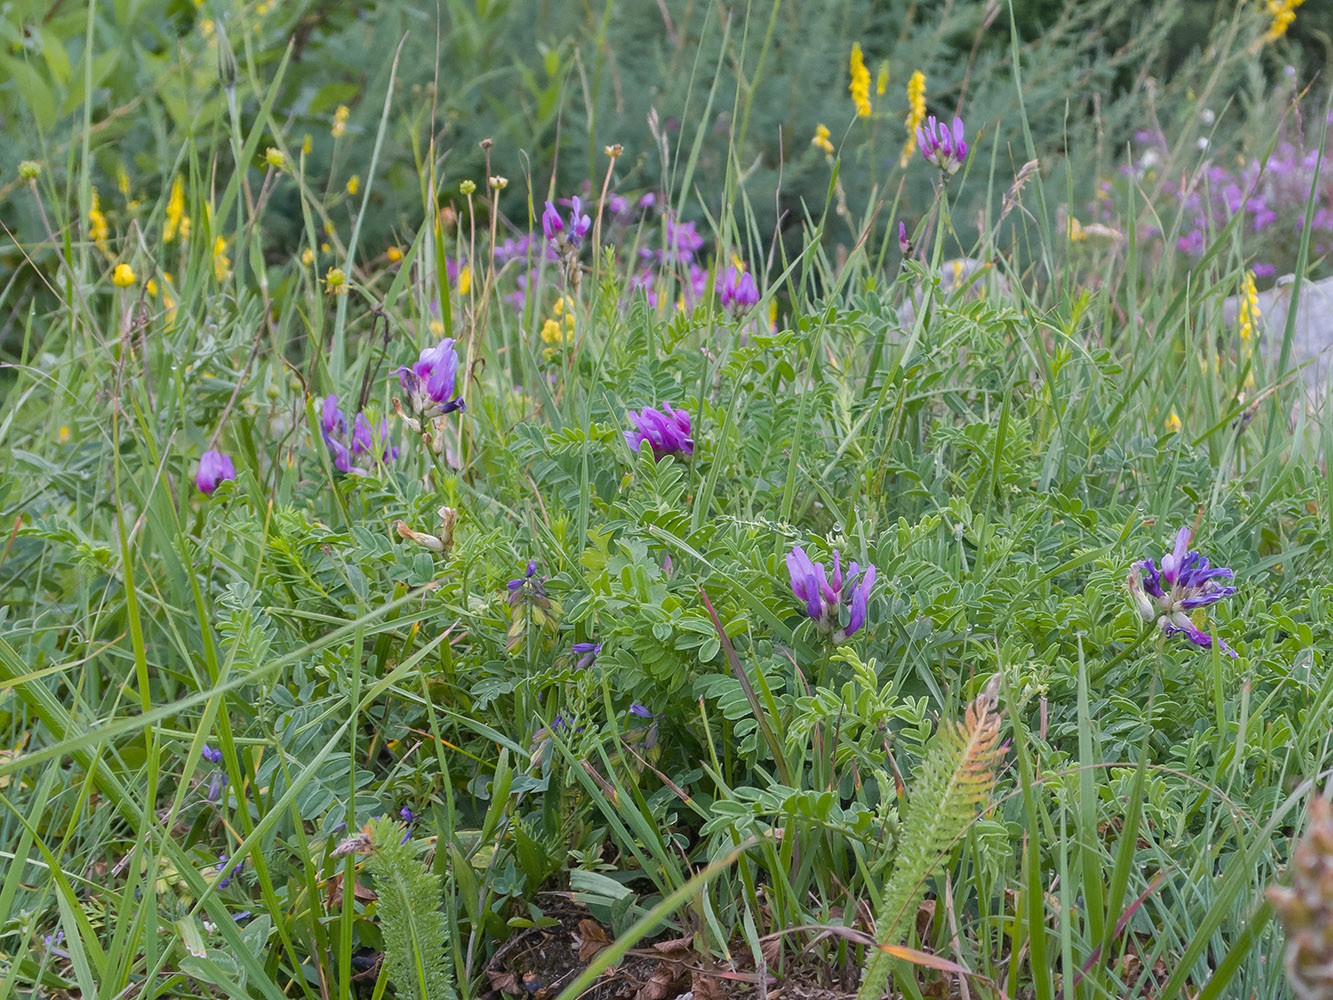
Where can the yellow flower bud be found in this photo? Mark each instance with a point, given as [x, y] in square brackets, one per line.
[123, 276]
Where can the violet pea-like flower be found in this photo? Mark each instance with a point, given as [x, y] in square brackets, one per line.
[1184, 583]
[824, 598]
[431, 381]
[363, 443]
[943, 145]
[667, 430]
[738, 289]
[214, 467]
[587, 653]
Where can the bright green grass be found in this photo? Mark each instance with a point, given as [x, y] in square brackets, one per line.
[1002, 461]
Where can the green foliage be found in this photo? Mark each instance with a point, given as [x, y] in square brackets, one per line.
[410, 916]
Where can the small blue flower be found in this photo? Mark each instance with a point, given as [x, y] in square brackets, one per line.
[211, 755]
[641, 711]
[227, 876]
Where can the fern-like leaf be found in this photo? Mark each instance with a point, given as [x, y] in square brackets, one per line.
[414, 927]
[955, 780]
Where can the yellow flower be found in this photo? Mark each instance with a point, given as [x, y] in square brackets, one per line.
[307, 256]
[499, 183]
[123, 181]
[354, 184]
[553, 332]
[395, 254]
[467, 187]
[821, 139]
[860, 85]
[336, 281]
[1173, 422]
[436, 328]
[98, 230]
[916, 113]
[122, 276]
[63, 435]
[882, 78]
[340, 116]
[274, 158]
[221, 262]
[206, 27]
[1076, 233]
[151, 285]
[1249, 311]
[324, 247]
[307, 144]
[464, 279]
[177, 223]
[1281, 13]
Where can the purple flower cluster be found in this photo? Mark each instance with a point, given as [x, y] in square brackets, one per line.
[362, 445]
[738, 290]
[667, 430]
[431, 381]
[554, 226]
[943, 145]
[1184, 583]
[1269, 197]
[824, 599]
[214, 468]
[528, 588]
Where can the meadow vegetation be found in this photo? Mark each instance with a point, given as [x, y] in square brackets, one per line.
[664, 498]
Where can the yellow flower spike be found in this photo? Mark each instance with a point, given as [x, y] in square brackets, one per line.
[916, 113]
[63, 435]
[464, 279]
[1173, 422]
[98, 229]
[860, 85]
[395, 254]
[1076, 233]
[177, 223]
[882, 78]
[122, 276]
[123, 181]
[353, 184]
[821, 139]
[1281, 13]
[340, 116]
[336, 280]
[307, 144]
[221, 262]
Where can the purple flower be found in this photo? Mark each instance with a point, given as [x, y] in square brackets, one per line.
[528, 588]
[1184, 583]
[824, 599]
[211, 755]
[214, 467]
[364, 441]
[667, 430]
[618, 205]
[941, 145]
[430, 381]
[904, 244]
[579, 222]
[227, 876]
[587, 653]
[738, 289]
[683, 240]
[552, 224]
[638, 710]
